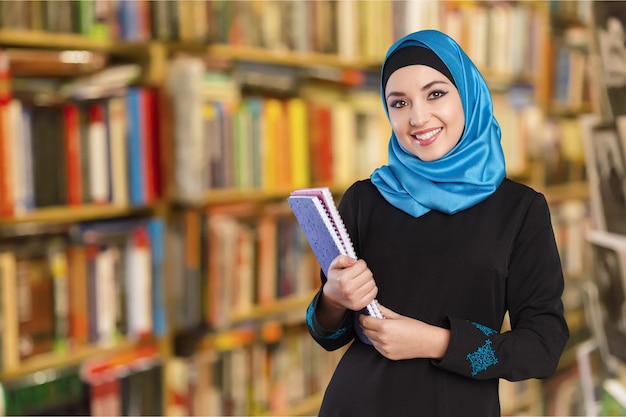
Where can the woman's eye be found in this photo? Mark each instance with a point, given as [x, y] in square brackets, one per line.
[397, 104]
[437, 94]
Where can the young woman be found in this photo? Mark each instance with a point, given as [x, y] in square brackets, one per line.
[448, 245]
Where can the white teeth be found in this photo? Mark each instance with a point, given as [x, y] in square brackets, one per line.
[427, 135]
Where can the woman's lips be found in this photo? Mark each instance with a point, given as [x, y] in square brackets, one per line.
[426, 137]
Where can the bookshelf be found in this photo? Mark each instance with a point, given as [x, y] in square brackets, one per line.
[329, 75]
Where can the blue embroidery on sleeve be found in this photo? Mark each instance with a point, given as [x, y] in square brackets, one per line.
[482, 358]
[486, 330]
[309, 322]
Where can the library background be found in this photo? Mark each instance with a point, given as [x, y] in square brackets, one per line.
[149, 262]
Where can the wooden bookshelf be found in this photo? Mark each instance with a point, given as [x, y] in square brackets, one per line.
[154, 57]
[293, 306]
[76, 214]
[71, 357]
[569, 191]
[39, 39]
[288, 58]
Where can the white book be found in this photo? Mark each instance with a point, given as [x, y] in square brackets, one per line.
[107, 300]
[117, 141]
[139, 285]
[98, 149]
[16, 139]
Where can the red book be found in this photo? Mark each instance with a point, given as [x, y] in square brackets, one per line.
[156, 121]
[5, 78]
[147, 104]
[321, 144]
[73, 155]
[6, 186]
[78, 295]
[284, 170]
[104, 387]
[6, 174]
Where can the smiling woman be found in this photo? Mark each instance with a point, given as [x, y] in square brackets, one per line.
[425, 111]
[448, 246]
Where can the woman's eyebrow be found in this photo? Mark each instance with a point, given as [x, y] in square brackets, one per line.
[394, 94]
[432, 83]
[424, 88]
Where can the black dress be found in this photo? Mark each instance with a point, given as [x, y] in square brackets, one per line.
[462, 272]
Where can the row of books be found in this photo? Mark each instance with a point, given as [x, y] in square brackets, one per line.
[488, 30]
[571, 82]
[103, 151]
[223, 140]
[255, 378]
[97, 283]
[558, 149]
[63, 16]
[122, 384]
[235, 258]
[314, 135]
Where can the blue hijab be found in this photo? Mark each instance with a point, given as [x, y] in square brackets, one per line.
[472, 170]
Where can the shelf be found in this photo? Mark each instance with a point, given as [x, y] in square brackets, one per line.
[567, 112]
[75, 214]
[36, 39]
[284, 57]
[60, 359]
[226, 196]
[151, 54]
[563, 192]
[282, 306]
[240, 332]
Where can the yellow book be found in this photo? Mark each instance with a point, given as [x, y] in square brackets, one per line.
[272, 114]
[299, 142]
[344, 144]
[10, 330]
[243, 150]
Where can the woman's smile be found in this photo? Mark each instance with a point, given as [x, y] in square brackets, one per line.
[428, 136]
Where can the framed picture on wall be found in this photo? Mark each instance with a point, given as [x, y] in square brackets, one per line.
[606, 172]
[609, 30]
[606, 300]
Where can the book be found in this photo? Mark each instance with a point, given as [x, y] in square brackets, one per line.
[30, 394]
[35, 299]
[10, 359]
[319, 218]
[613, 398]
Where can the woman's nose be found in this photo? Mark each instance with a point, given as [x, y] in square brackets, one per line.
[419, 115]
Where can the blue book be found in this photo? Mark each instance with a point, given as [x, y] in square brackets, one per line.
[318, 229]
[135, 146]
[159, 319]
[317, 215]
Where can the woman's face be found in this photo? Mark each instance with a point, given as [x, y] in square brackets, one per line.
[425, 111]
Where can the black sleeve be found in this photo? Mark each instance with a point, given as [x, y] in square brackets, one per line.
[533, 346]
[329, 339]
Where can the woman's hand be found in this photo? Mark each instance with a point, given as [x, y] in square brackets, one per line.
[399, 337]
[350, 286]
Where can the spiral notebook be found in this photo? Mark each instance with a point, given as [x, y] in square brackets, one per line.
[324, 229]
